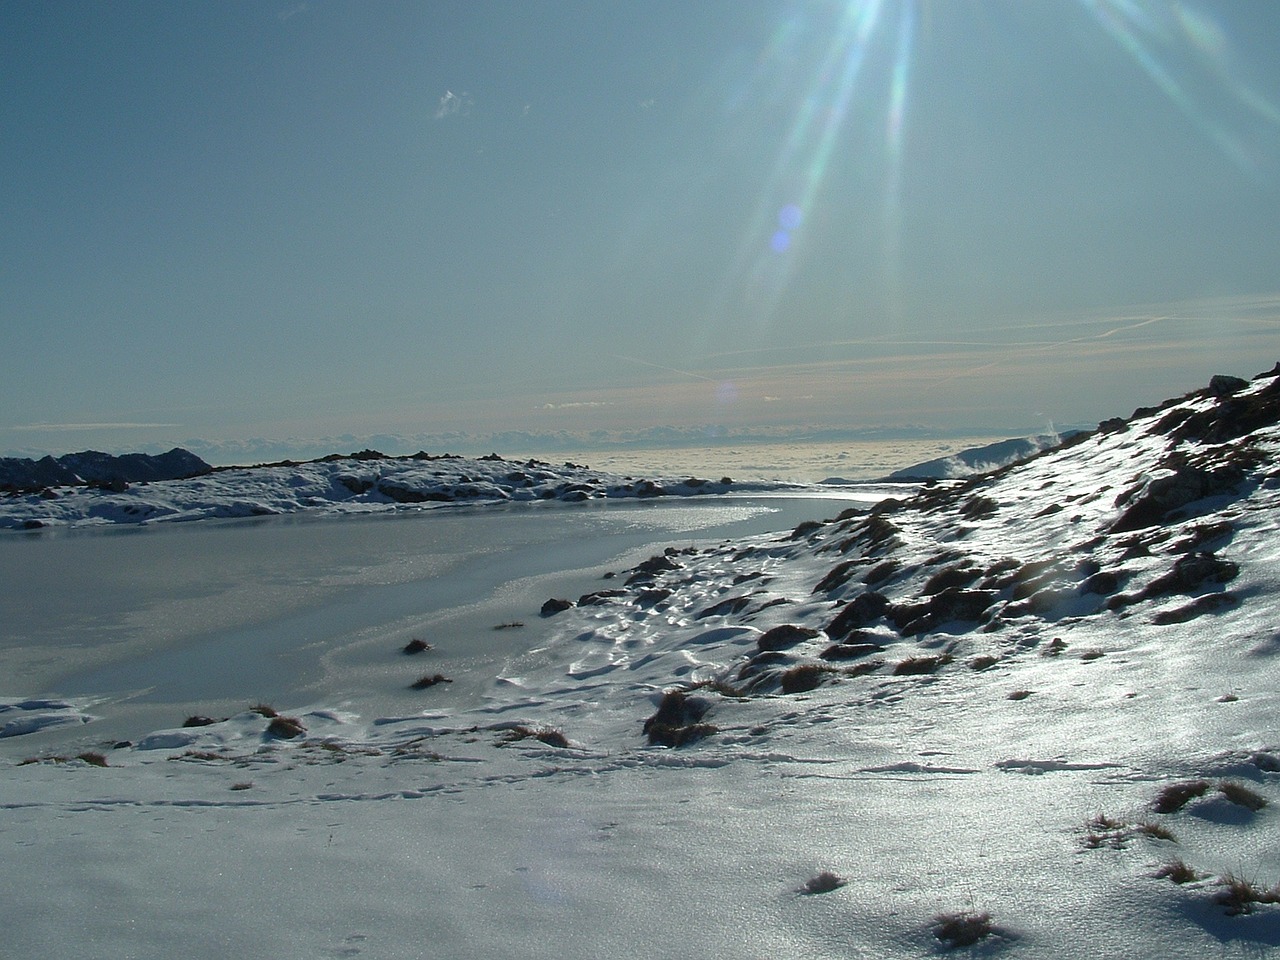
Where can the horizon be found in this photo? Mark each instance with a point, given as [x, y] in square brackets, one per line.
[292, 221]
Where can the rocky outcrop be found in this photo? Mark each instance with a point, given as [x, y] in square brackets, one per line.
[91, 468]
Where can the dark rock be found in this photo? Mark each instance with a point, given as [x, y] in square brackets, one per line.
[805, 677]
[850, 651]
[199, 721]
[356, 485]
[881, 572]
[1232, 417]
[1209, 603]
[555, 605]
[950, 605]
[959, 575]
[725, 608]
[1104, 583]
[600, 597]
[653, 596]
[1192, 570]
[1221, 385]
[416, 646]
[837, 576]
[90, 467]
[784, 637]
[862, 611]
[401, 493]
[1154, 501]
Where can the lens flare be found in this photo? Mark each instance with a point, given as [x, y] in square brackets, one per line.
[773, 243]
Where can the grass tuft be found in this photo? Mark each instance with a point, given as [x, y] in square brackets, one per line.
[547, 735]
[915, 666]
[416, 645]
[285, 728]
[429, 680]
[962, 929]
[264, 710]
[92, 758]
[1177, 872]
[1241, 795]
[1240, 896]
[1177, 795]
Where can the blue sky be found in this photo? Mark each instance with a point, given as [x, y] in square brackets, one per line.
[300, 219]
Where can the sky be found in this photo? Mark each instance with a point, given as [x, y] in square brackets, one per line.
[234, 219]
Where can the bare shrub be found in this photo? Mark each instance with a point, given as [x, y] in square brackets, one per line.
[92, 758]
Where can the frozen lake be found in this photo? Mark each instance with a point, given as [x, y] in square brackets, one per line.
[157, 623]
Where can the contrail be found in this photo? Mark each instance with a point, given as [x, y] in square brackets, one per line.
[658, 366]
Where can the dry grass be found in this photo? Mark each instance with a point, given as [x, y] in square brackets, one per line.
[547, 735]
[916, 666]
[1240, 896]
[962, 929]
[1177, 872]
[92, 758]
[429, 680]
[285, 728]
[1177, 795]
[1241, 795]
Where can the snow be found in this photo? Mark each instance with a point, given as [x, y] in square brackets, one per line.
[347, 485]
[1075, 679]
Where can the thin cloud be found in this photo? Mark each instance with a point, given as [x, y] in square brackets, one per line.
[94, 426]
[292, 12]
[452, 103]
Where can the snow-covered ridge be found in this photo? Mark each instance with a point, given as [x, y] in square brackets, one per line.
[361, 483]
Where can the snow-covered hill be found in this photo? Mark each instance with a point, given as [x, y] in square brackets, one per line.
[1035, 709]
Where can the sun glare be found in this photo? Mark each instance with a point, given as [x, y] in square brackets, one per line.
[1185, 52]
[831, 84]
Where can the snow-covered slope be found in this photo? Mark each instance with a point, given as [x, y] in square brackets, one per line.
[336, 485]
[1036, 707]
[981, 459]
